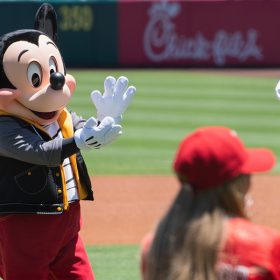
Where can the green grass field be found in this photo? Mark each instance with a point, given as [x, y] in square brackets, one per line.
[168, 105]
[118, 262]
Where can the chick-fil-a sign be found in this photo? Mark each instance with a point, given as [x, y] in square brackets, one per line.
[162, 42]
[195, 33]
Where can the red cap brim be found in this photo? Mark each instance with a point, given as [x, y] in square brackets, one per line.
[259, 160]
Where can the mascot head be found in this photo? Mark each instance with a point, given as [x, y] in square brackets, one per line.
[33, 81]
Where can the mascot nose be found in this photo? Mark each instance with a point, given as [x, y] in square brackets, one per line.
[57, 80]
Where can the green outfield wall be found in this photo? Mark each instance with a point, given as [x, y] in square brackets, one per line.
[159, 33]
[87, 31]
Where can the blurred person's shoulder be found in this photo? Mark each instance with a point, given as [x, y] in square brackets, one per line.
[247, 232]
[250, 251]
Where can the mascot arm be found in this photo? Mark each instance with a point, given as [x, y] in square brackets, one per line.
[69, 148]
[115, 100]
[20, 143]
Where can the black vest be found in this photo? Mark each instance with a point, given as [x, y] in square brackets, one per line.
[29, 188]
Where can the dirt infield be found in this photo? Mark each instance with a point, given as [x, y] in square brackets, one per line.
[125, 208]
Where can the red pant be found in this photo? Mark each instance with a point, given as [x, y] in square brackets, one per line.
[39, 247]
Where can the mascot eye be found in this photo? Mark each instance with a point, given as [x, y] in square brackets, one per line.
[52, 64]
[34, 74]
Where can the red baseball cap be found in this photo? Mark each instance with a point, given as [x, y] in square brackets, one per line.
[212, 155]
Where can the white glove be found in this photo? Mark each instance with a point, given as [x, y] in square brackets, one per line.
[277, 90]
[115, 100]
[92, 136]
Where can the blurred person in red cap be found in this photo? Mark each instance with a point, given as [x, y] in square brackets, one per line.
[206, 233]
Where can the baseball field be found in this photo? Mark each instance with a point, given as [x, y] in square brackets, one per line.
[133, 179]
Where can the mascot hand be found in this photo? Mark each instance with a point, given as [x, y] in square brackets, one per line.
[93, 136]
[115, 100]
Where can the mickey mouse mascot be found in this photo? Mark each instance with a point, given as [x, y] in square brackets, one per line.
[42, 172]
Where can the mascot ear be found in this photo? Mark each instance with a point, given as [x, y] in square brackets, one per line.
[46, 21]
